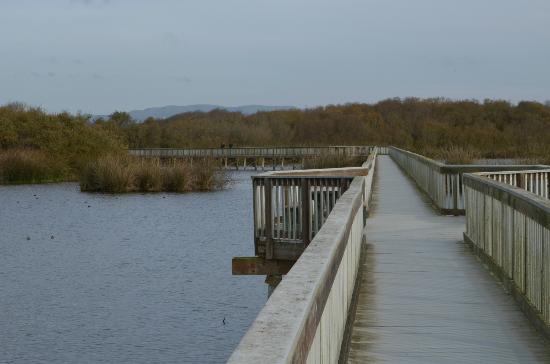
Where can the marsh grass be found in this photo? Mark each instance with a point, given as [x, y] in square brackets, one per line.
[332, 161]
[121, 174]
[19, 166]
[454, 154]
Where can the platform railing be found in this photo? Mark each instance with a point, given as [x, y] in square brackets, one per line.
[443, 182]
[510, 228]
[304, 319]
[535, 181]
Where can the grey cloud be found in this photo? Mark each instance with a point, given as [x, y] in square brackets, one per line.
[183, 79]
[90, 2]
[171, 38]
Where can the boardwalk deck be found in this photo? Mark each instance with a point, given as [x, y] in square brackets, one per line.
[424, 297]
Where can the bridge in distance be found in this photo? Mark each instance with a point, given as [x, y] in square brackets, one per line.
[256, 157]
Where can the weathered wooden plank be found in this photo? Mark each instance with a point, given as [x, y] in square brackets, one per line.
[259, 266]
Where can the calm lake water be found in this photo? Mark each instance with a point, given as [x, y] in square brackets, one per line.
[88, 278]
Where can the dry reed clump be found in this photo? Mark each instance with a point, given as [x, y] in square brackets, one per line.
[29, 166]
[332, 161]
[148, 177]
[177, 178]
[207, 176]
[116, 174]
[111, 174]
[456, 155]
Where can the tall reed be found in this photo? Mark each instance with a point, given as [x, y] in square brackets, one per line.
[30, 166]
[332, 161]
[117, 174]
[453, 154]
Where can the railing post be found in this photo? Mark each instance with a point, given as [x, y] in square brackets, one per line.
[455, 193]
[519, 181]
[306, 198]
[268, 220]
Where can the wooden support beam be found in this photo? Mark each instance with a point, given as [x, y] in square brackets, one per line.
[282, 250]
[260, 266]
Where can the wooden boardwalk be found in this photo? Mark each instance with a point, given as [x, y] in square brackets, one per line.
[424, 298]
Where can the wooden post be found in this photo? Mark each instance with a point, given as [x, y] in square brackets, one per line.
[272, 281]
[455, 193]
[305, 203]
[519, 181]
[268, 220]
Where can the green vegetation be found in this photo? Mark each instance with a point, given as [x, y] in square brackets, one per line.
[37, 147]
[40, 147]
[439, 128]
[29, 166]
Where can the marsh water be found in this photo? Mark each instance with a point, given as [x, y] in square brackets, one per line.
[138, 278]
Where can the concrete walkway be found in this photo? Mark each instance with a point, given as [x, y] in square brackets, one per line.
[424, 297]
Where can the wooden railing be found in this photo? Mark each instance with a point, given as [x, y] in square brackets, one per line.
[536, 181]
[510, 228]
[289, 209]
[254, 152]
[304, 319]
[442, 182]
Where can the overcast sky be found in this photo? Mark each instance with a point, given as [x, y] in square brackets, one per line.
[96, 56]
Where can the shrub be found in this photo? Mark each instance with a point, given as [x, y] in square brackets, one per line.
[29, 166]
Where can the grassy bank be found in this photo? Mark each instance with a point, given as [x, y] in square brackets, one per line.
[19, 166]
[122, 174]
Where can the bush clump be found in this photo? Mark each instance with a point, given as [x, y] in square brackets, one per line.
[29, 166]
[117, 174]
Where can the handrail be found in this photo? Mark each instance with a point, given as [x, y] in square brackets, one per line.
[304, 319]
[257, 152]
[291, 206]
[534, 181]
[443, 182]
[510, 228]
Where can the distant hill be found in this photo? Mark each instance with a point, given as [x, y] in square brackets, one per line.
[164, 112]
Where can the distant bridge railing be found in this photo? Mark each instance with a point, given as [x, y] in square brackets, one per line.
[304, 319]
[510, 228]
[442, 182]
[255, 152]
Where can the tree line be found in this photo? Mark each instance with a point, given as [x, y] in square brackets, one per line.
[437, 127]
[457, 131]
